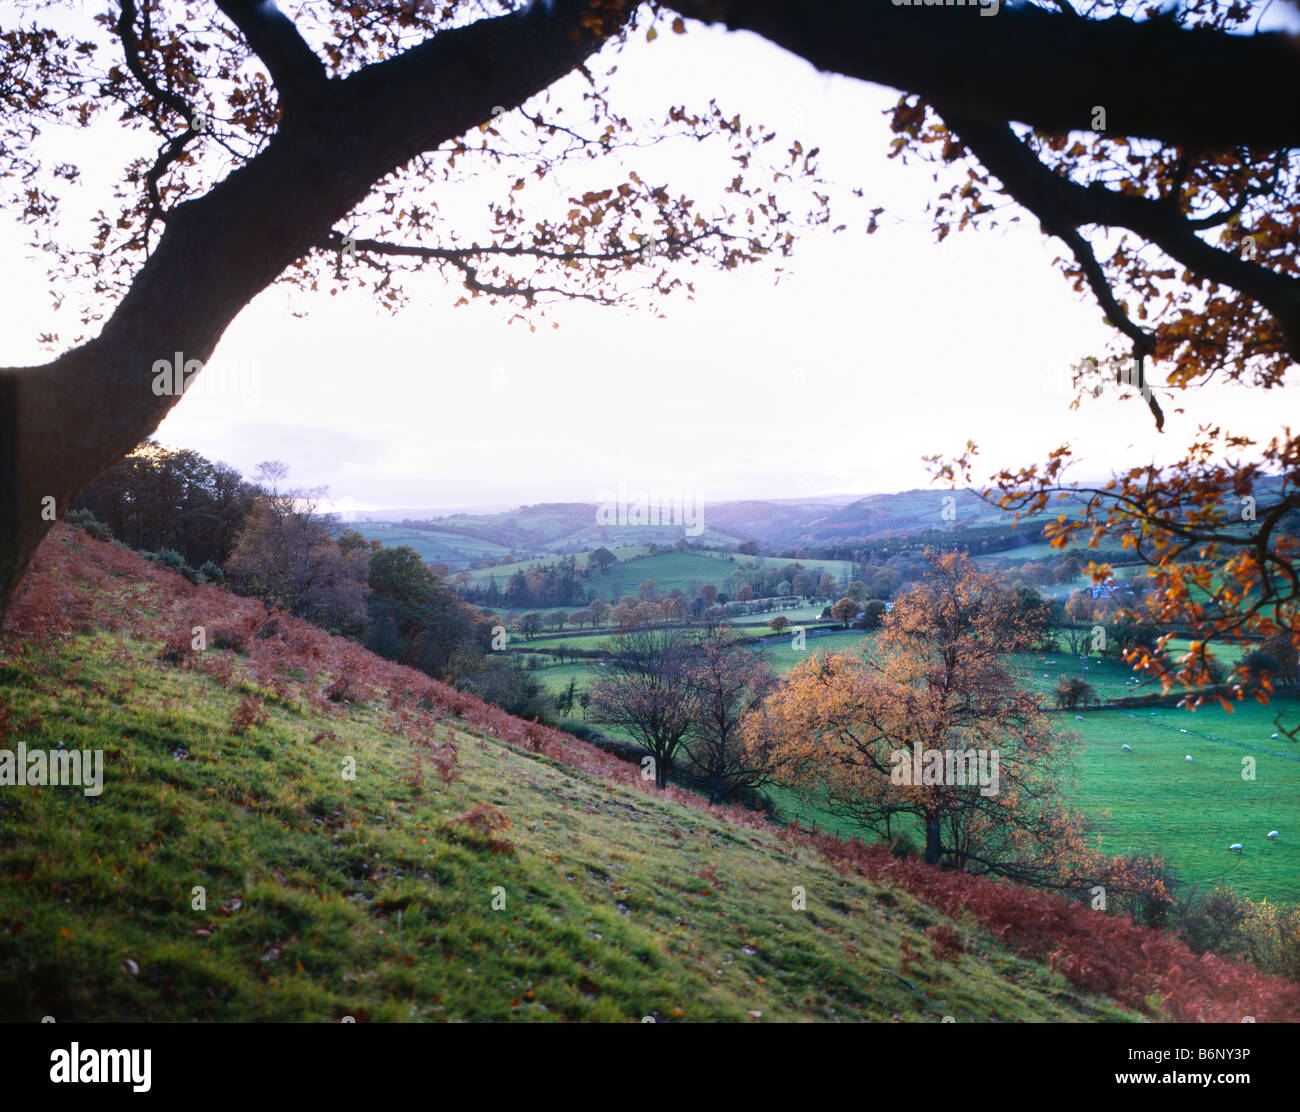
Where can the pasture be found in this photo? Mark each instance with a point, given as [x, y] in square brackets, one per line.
[451, 549]
[1148, 799]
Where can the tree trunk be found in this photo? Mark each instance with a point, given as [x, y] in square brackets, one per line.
[932, 848]
[66, 422]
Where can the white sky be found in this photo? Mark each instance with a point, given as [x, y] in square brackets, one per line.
[872, 352]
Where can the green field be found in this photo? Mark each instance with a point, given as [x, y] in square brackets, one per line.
[451, 549]
[1153, 799]
[502, 572]
[668, 570]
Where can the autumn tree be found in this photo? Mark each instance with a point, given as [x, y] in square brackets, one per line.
[779, 624]
[646, 689]
[890, 742]
[845, 611]
[285, 556]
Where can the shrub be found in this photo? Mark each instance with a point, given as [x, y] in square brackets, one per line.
[212, 573]
[86, 521]
[248, 714]
[1072, 691]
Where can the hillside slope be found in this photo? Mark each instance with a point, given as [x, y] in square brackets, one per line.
[374, 896]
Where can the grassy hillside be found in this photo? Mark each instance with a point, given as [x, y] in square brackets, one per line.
[373, 897]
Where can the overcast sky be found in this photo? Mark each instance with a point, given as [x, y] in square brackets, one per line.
[871, 352]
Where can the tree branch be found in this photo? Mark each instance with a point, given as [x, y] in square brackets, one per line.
[1194, 87]
[1062, 206]
[294, 68]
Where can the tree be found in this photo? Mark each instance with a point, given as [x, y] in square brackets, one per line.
[580, 617]
[1214, 171]
[826, 585]
[727, 683]
[935, 695]
[530, 625]
[845, 611]
[748, 548]
[599, 608]
[159, 497]
[709, 593]
[646, 690]
[417, 620]
[873, 614]
[285, 556]
[779, 624]
[556, 619]
[647, 591]
[745, 593]
[600, 560]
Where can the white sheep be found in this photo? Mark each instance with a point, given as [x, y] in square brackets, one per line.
[1189, 759]
[1127, 748]
[1078, 718]
[1236, 847]
[1274, 736]
[1272, 835]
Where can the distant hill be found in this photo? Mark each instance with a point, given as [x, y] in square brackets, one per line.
[551, 528]
[572, 527]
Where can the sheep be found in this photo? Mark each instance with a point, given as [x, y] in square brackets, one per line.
[1189, 758]
[1127, 748]
[1272, 835]
[1078, 718]
[1236, 847]
[1273, 736]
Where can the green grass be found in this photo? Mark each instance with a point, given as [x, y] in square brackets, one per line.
[328, 898]
[451, 549]
[1152, 799]
[668, 570]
